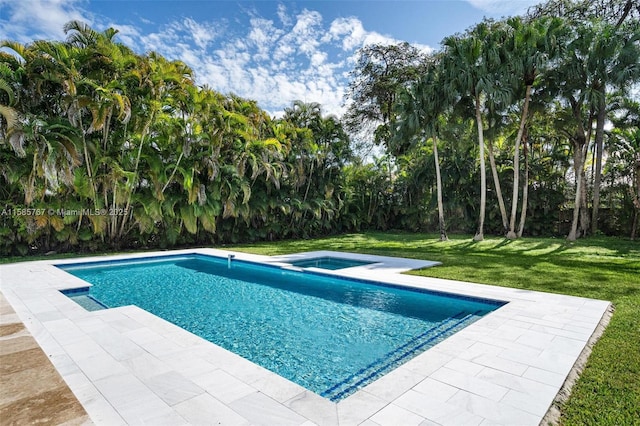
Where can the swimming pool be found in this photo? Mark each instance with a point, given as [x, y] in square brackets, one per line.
[331, 263]
[331, 335]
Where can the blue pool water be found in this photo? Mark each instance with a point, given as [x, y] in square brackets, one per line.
[330, 335]
[331, 263]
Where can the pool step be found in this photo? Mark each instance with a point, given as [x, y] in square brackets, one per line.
[400, 355]
[82, 297]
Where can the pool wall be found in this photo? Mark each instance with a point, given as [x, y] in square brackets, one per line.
[127, 366]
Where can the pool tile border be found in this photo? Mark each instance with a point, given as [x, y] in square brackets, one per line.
[127, 366]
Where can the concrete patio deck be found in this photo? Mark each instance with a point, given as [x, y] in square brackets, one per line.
[127, 366]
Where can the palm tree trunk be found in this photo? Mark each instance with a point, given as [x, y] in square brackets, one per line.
[89, 165]
[580, 146]
[598, 174]
[127, 213]
[584, 212]
[516, 167]
[106, 128]
[525, 191]
[306, 191]
[483, 173]
[496, 182]
[31, 185]
[634, 192]
[576, 208]
[441, 224]
[173, 173]
[114, 217]
[579, 157]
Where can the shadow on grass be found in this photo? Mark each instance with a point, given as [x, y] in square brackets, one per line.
[603, 267]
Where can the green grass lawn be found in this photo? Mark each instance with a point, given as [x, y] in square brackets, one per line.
[608, 392]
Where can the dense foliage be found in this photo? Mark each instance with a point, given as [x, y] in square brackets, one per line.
[542, 96]
[104, 147]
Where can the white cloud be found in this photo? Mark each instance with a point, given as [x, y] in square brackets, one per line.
[350, 31]
[307, 31]
[501, 8]
[157, 42]
[202, 34]
[283, 50]
[263, 35]
[28, 20]
[275, 63]
[285, 19]
[292, 57]
[318, 58]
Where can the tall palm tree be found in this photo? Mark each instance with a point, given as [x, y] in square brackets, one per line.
[532, 45]
[612, 63]
[568, 80]
[419, 111]
[495, 124]
[470, 63]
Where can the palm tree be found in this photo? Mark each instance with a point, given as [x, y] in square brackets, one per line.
[495, 121]
[51, 141]
[54, 155]
[613, 60]
[525, 189]
[627, 158]
[532, 45]
[470, 63]
[623, 164]
[161, 82]
[8, 113]
[569, 81]
[419, 111]
[319, 147]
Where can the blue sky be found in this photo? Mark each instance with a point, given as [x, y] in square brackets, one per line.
[271, 51]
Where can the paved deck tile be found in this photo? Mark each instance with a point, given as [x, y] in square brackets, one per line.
[32, 391]
[437, 411]
[205, 409]
[259, 409]
[491, 410]
[392, 415]
[126, 366]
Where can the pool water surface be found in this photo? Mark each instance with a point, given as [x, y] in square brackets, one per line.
[331, 263]
[331, 335]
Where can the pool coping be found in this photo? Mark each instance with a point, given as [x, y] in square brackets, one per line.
[127, 366]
